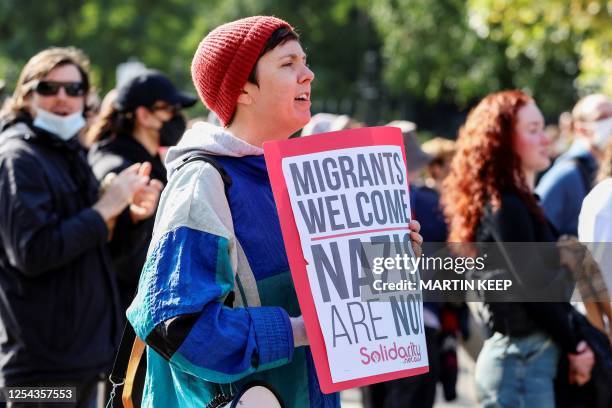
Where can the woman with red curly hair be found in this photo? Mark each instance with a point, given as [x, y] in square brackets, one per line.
[489, 197]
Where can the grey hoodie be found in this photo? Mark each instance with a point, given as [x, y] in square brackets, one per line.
[208, 139]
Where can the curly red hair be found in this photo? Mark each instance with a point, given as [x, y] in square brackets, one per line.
[485, 165]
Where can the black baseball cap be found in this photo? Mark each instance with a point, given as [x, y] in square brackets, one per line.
[149, 87]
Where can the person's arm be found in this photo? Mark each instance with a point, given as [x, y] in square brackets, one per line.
[180, 308]
[33, 235]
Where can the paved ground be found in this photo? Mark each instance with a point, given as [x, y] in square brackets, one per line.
[465, 388]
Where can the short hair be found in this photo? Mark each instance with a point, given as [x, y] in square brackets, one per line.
[36, 69]
[439, 148]
[278, 37]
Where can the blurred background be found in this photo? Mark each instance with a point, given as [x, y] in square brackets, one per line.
[376, 60]
[426, 61]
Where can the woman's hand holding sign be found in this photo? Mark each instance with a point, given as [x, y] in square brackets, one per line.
[299, 332]
[415, 237]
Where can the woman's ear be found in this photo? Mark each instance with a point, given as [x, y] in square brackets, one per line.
[246, 97]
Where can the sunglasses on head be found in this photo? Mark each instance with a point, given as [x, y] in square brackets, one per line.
[49, 88]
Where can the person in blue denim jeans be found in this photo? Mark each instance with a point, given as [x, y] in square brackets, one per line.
[489, 198]
[508, 364]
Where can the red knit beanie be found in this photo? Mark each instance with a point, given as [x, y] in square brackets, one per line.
[225, 58]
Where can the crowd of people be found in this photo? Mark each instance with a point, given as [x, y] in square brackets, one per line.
[119, 208]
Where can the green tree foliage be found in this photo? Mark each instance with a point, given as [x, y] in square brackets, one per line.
[429, 50]
[458, 51]
[165, 34]
[109, 31]
[449, 52]
[555, 30]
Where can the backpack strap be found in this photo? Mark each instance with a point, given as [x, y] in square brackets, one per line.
[123, 359]
[227, 180]
[227, 183]
[130, 375]
[221, 398]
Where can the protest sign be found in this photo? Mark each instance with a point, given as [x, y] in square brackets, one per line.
[337, 194]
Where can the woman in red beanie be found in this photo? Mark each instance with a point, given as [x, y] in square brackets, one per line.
[216, 304]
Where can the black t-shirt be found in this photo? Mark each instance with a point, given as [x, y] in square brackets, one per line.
[537, 265]
[113, 155]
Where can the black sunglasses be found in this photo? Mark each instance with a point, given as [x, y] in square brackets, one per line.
[166, 107]
[49, 88]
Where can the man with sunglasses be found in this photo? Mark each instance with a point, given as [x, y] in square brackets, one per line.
[59, 309]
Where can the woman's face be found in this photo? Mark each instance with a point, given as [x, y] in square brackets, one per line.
[154, 117]
[531, 144]
[282, 99]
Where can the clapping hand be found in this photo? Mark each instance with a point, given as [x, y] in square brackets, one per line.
[119, 191]
[144, 201]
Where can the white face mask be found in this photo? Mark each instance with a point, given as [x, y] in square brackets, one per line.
[602, 131]
[64, 127]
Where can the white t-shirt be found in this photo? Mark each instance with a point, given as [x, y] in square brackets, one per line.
[595, 227]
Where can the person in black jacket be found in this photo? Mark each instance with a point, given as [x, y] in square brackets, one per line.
[488, 197]
[59, 306]
[144, 117]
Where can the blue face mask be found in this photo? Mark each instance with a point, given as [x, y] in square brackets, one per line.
[64, 127]
[602, 132]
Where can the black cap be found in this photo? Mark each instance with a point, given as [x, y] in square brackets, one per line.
[147, 88]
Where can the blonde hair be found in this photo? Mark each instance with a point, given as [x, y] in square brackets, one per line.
[439, 148]
[585, 108]
[36, 69]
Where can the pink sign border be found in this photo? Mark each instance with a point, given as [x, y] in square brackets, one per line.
[274, 152]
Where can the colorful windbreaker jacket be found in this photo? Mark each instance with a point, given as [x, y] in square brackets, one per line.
[215, 294]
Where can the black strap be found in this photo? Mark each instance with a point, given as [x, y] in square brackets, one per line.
[227, 183]
[221, 398]
[122, 357]
[502, 250]
[227, 180]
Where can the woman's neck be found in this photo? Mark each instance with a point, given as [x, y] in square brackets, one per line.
[255, 130]
[246, 133]
[148, 138]
[530, 176]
